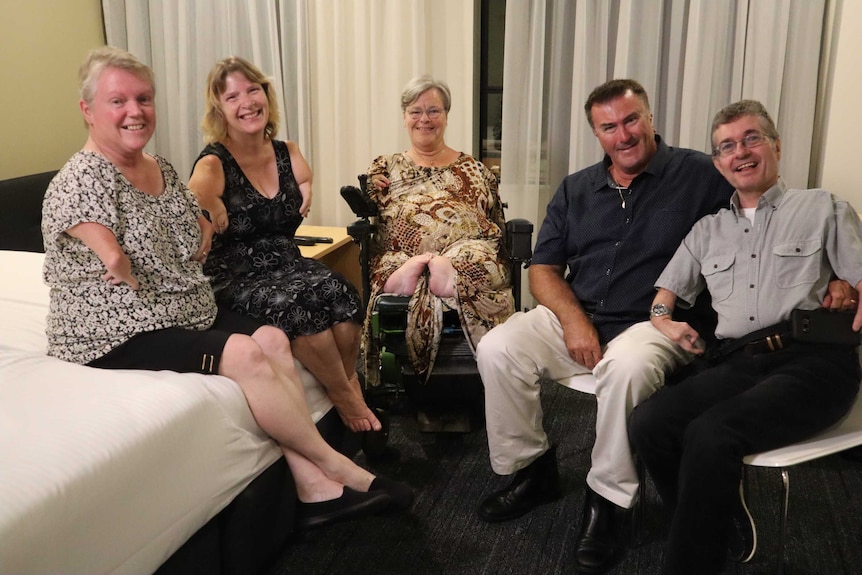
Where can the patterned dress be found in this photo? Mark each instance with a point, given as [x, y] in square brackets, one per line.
[255, 266]
[453, 211]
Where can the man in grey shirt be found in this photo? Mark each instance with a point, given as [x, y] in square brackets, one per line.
[772, 251]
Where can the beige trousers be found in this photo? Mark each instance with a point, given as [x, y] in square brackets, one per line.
[515, 356]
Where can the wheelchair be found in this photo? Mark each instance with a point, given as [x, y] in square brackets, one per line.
[452, 397]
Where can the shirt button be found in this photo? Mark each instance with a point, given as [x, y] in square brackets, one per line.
[751, 318]
[753, 256]
[607, 272]
[798, 250]
[746, 230]
[751, 285]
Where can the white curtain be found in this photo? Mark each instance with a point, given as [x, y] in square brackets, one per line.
[339, 68]
[181, 41]
[692, 56]
[362, 54]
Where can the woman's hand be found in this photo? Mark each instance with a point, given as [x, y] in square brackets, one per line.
[120, 271]
[380, 181]
[207, 231]
[305, 208]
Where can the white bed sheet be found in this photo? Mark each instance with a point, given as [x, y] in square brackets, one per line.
[110, 471]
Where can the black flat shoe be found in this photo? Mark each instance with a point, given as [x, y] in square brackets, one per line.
[350, 505]
[400, 494]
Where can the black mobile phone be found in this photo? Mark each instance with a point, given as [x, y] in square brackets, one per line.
[824, 326]
[315, 239]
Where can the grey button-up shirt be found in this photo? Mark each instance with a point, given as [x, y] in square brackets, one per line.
[758, 273]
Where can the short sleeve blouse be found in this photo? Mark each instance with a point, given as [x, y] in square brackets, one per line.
[88, 316]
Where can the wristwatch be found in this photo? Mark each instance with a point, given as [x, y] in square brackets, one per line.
[659, 310]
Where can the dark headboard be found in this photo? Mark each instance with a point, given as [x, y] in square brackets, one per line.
[21, 212]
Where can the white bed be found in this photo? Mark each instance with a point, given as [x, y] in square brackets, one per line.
[105, 471]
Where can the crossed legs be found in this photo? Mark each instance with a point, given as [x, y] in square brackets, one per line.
[262, 365]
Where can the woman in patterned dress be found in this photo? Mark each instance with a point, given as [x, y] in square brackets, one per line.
[257, 190]
[441, 237]
[123, 253]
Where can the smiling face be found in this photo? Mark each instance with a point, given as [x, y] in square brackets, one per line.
[121, 115]
[624, 128]
[751, 171]
[244, 105]
[426, 133]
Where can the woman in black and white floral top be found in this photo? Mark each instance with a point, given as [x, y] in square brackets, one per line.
[123, 253]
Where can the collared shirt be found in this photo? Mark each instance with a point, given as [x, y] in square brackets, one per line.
[758, 273]
[616, 241]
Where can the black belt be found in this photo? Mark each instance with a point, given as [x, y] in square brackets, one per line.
[768, 344]
[773, 338]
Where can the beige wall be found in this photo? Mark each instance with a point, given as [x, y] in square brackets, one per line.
[842, 152]
[42, 43]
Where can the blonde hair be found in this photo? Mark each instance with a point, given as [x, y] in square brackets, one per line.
[214, 125]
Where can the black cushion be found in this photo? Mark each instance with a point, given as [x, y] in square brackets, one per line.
[21, 215]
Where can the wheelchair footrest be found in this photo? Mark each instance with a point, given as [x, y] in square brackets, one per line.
[461, 421]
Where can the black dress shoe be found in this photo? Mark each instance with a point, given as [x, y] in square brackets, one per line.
[351, 504]
[533, 485]
[597, 547]
[400, 494]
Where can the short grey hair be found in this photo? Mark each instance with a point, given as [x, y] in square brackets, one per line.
[421, 84]
[109, 57]
[733, 112]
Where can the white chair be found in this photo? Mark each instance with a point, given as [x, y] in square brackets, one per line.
[845, 434]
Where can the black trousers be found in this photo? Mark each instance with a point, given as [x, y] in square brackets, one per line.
[692, 436]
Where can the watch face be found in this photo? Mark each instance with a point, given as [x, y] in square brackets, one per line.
[659, 309]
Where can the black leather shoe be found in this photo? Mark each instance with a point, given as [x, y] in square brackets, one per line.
[743, 538]
[597, 547]
[351, 504]
[533, 485]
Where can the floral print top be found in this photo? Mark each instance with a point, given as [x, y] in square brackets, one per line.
[89, 316]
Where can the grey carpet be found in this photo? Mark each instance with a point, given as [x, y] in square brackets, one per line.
[442, 534]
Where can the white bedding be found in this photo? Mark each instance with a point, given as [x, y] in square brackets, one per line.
[110, 471]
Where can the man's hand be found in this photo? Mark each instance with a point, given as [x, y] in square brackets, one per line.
[841, 296]
[582, 341]
[680, 333]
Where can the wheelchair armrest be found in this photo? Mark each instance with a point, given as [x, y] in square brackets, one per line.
[360, 230]
[391, 304]
[519, 235]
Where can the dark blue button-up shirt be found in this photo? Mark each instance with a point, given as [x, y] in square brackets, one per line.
[616, 242]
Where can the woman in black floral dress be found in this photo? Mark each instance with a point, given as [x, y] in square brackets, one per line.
[257, 190]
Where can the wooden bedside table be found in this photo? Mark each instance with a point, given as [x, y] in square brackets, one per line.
[342, 255]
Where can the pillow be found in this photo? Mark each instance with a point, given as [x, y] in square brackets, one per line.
[23, 301]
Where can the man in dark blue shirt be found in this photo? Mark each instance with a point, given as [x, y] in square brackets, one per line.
[614, 226]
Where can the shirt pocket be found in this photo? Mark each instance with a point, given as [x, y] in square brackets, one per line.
[718, 273]
[797, 262]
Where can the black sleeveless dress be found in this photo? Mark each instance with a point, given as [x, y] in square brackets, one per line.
[256, 268]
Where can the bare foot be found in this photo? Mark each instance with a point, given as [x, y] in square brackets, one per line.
[353, 410]
[403, 280]
[442, 281]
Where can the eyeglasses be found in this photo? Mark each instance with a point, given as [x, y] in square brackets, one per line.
[416, 113]
[750, 140]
